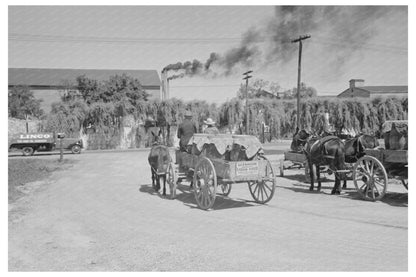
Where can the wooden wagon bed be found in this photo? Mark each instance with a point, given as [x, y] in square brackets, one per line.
[223, 160]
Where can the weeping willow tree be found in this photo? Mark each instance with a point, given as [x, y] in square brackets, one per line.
[67, 118]
[107, 118]
[361, 115]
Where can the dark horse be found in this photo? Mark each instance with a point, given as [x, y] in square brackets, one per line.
[355, 148]
[328, 150]
[159, 159]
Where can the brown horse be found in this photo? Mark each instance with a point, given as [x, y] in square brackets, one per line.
[159, 159]
[330, 151]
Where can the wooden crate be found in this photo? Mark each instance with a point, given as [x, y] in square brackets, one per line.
[295, 157]
[395, 156]
[376, 153]
[241, 170]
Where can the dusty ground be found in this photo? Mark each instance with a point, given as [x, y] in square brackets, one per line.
[101, 214]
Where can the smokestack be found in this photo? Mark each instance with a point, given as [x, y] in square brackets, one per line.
[167, 89]
[164, 94]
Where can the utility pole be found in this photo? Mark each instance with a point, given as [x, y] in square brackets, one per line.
[299, 70]
[247, 76]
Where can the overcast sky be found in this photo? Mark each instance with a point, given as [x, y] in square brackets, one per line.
[346, 42]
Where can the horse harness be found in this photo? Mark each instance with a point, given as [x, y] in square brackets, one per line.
[319, 145]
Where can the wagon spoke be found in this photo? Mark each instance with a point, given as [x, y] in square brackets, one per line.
[372, 169]
[360, 166]
[366, 191]
[366, 166]
[362, 187]
[199, 194]
[267, 186]
[255, 189]
[375, 186]
[206, 200]
[261, 190]
[372, 191]
[265, 191]
[359, 174]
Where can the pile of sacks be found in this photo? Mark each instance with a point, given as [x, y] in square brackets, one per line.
[395, 134]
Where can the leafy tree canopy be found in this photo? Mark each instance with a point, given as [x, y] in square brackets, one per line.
[256, 87]
[118, 88]
[305, 92]
[22, 103]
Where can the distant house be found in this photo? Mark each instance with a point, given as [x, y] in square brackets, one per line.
[47, 83]
[358, 89]
[266, 94]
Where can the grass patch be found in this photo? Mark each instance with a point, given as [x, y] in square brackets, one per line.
[23, 171]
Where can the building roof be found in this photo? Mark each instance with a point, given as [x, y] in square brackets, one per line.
[385, 89]
[266, 93]
[55, 77]
[366, 91]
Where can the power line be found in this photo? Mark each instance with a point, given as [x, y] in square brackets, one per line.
[60, 38]
[204, 86]
[348, 42]
[136, 40]
[364, 47]
[94, 39]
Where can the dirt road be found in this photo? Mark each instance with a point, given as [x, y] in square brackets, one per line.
[102, 215]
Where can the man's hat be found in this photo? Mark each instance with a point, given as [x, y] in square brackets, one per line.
[209, 121]
[188, 114]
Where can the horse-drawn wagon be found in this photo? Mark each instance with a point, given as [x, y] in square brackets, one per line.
[371, 172]
[213, 163]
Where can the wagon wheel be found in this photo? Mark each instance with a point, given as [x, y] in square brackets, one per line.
[262, 190]
[405, 182]
[307, 174]
[171, 179]
[225, 188]
[205, 183]
[370, 178]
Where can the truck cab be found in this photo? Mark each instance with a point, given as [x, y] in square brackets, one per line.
[28, 143]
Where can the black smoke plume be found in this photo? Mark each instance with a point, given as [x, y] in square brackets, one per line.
[341, 30]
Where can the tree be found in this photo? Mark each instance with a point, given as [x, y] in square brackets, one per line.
[256, 87]
[22, 103]
[89, 89]
[121, 88]
[305, 92]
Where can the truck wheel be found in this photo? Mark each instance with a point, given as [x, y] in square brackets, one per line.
[76, 149]
[27, 151]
